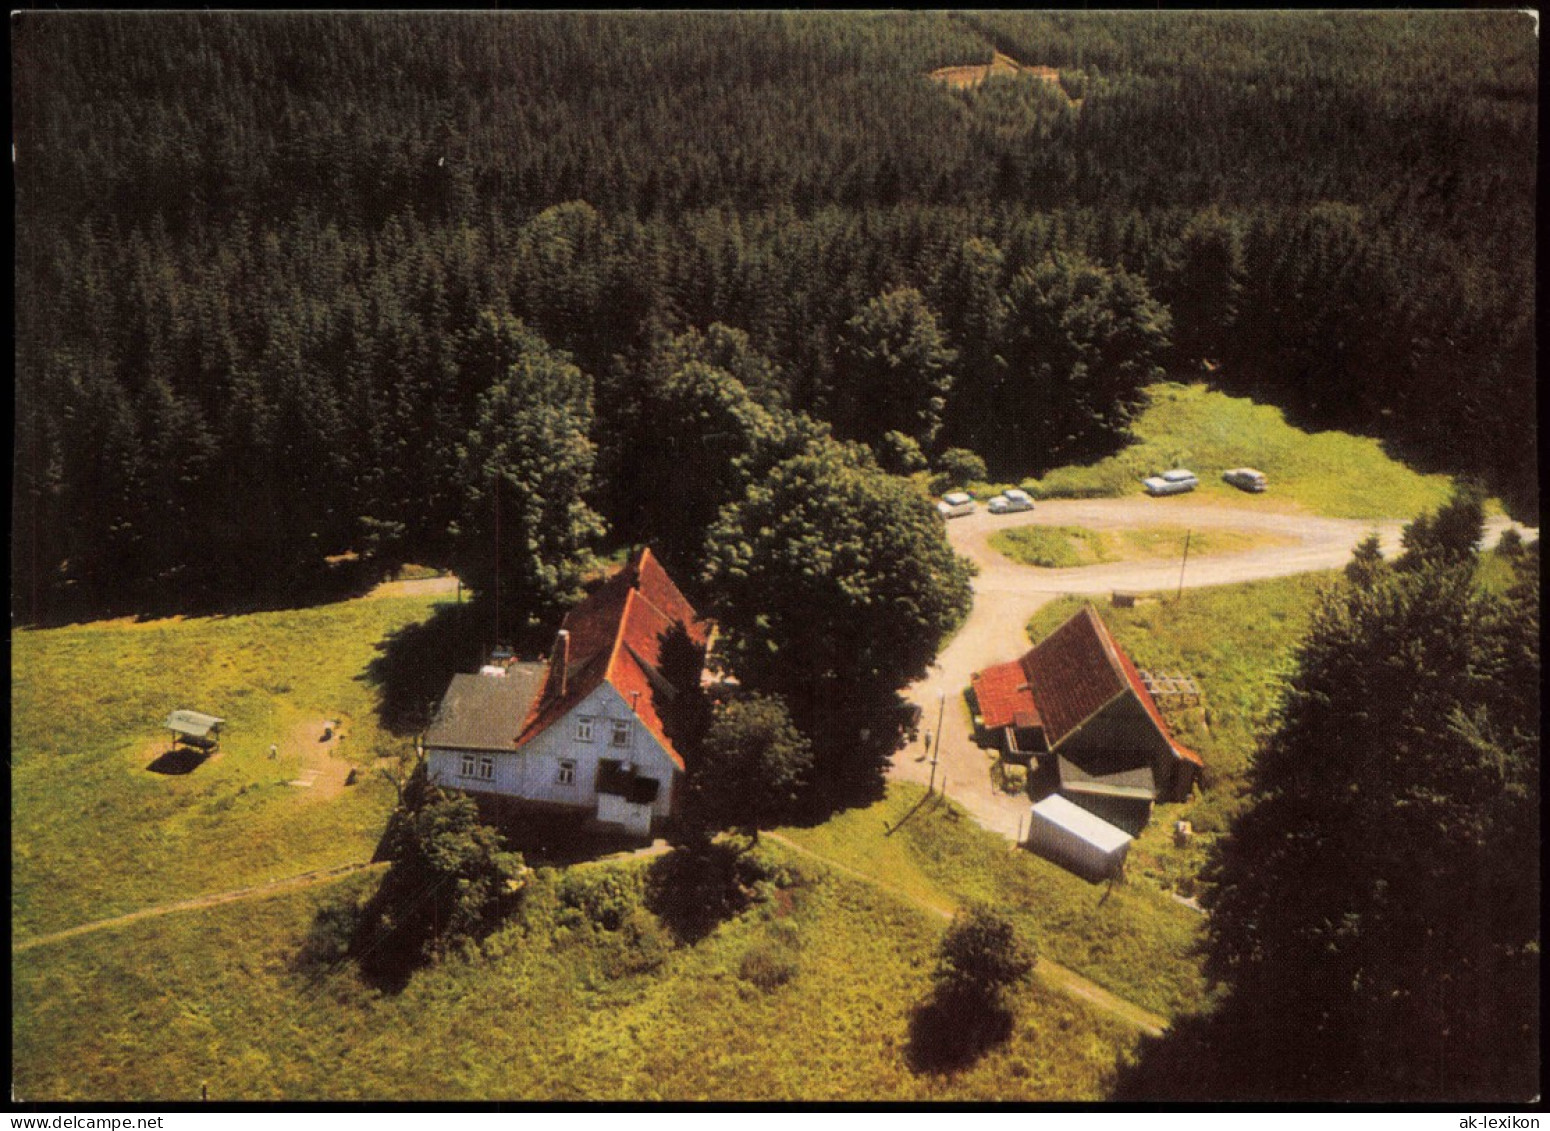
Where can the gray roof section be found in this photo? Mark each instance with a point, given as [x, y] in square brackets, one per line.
[1137, 784]
[485, 712]
[193, 723]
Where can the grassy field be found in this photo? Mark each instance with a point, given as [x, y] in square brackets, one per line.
[1327, 473]
[807, 996]
[1131, 939]
[94, 833]
[1062, 547]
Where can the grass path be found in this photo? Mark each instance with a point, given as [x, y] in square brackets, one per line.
[1053, 973]
[274, 887]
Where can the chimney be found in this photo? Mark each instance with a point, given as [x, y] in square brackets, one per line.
[559, 660]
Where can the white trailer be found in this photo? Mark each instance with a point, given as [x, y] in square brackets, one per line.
[1076, 839]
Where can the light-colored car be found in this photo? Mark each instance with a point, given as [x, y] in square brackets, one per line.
[1174, 482]
[1011, 500]
[955, 504]
[1245, 479]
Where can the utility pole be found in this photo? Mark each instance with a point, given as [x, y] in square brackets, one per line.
[1182, 564]
[937, 749]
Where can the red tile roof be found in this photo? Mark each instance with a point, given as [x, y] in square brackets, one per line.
[616, 638]
[1004, 696]
[1068, 677]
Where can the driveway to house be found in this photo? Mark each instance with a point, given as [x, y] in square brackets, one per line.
[1007, 593]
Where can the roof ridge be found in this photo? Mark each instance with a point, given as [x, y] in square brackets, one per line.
[624, 618]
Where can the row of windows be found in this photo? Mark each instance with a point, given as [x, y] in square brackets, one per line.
[482, 768]
[621, 731]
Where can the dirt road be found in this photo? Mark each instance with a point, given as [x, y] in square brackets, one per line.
[1006, 594]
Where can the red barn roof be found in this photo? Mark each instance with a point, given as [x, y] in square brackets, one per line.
[615, 637]
[1064, 680]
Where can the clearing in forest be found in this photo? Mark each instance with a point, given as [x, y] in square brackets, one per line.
[1002, 65]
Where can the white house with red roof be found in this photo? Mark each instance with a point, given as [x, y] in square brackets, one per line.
[1076, 698]
[584, 731]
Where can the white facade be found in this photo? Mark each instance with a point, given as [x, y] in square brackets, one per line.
[1076, 839]
[559, 766]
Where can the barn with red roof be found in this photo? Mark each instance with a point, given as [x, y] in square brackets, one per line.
[583, 731]
[1076, 699]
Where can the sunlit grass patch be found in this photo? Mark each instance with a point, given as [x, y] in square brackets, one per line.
[1063, 547]
[95, 833]
[1328, 473]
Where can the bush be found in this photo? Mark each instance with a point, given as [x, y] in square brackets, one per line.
[605, 897]
[767, 966]
[899, 454]
[958, 467]
[703, 883]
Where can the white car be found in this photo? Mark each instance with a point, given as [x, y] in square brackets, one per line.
[1174, 482]
[955, 504]
[1245, 479]
[1011, 500]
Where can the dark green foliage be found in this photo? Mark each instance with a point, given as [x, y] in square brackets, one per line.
[524, 537]
[605, 897]
[1374, 916]
[750, 767]
[892, 373]
[957, 467]
[899, 454]
[834, 588]
[703, 882]
[1366, 564]
[252, 253]
[1448, 538]
[450, 881]
[981, 961]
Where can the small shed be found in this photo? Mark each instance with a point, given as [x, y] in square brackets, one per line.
[194, 728]
[1076, 839]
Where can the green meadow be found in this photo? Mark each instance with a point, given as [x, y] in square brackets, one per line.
[807, 995]
[96, 833]
[1328, 473]
[1063, 547]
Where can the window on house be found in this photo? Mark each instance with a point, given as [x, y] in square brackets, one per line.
[567, 774]
[487, 767]
[583, 730]
[621, 734]
[466, 766]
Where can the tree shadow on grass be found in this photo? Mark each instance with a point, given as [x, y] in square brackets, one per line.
[415, 663]
[949, 1032]
[701, 884]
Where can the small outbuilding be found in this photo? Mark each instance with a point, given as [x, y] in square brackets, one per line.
[1076, 839]
[193, 728]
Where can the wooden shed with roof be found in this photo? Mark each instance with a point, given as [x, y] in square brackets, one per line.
[1076, 698]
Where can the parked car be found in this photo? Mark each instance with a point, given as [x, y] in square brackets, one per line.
[955, 504]
[1245, 479]
[1174, 482]
[1010, 500]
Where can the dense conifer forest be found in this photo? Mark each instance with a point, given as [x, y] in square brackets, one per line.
[269, 268]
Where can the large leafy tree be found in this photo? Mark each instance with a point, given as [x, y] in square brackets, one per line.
[525, 533]
[893, 370]
[1081, 342]
[834, 585]
[1375, 915]
[750, 767]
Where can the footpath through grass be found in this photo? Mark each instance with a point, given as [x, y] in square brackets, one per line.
[1131, 938]
[1064, 547]
[806, 996]
[95, 833]
[1328, 473]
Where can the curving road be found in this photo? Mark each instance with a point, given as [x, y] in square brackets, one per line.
[1006, 594]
